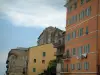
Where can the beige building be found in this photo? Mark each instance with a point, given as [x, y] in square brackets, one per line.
[17, 62]
[39, 57]
[47, 36]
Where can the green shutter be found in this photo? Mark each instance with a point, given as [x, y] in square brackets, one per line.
[74, 51]
[89, 11]
[80, 51]
[82, 2]
[34, 69]
[86, 30]
[67, 67]
[82, 31]
[85, 65]
[44, 54]
[88, 48]
[84, 49]
[78, 32]
[79, 66]
[72, 34]
[71, 66]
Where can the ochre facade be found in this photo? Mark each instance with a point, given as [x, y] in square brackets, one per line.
[37, 54]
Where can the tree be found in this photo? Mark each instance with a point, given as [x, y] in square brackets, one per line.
[52, 67]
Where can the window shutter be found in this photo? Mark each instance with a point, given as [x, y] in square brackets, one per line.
[88, 48]
[85, 65]
[86, 30]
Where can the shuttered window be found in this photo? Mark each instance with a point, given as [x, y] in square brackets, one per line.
[86, 65]
[73, 51]
[79, 51]
[87, 48]
[72, 66]
[79, 66]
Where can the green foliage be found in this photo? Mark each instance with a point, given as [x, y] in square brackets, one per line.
[52, 63]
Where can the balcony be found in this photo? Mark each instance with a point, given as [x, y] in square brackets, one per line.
[7, 66]
[7, 61]
[58, 53]
[66, 56]
[7, 73]
[24, 70]
[65, 70]
[59, 44]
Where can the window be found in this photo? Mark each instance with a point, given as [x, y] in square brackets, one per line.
[68, 37]
[87, 48]
[74, 34]
[34, 69]
[80, 17]
[82, 2]
[86, 65]
[75, 5]
[73, 51]
[72, 19]
[86, 30]
[34, 60]
[82, 14]
[68, 21]
[44, 54]
[80, 51]
[67, 54]
[67, 68]
[70, 9]
[43, 61]
[88, 11]
[79, 66]
[80, 32]
[72, 66]
[75, 18]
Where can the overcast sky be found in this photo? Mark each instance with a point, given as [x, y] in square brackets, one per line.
[22, 21]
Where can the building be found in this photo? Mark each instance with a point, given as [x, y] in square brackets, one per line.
[47, 35]
[17, 61]
[39, 57]
[82, 50]
[59, 43]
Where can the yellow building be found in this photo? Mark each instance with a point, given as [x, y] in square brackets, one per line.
[39, 57]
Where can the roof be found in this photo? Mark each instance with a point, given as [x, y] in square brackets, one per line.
[47, 28]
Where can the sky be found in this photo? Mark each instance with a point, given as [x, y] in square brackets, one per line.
[22, 21]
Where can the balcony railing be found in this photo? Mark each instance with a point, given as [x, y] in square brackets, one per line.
[7, 66]
[7, 61]
[64, 70]
[59, 44]
[66, 56]
[7, 73]
[58, 53]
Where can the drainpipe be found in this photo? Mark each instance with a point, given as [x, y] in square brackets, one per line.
[97, 41]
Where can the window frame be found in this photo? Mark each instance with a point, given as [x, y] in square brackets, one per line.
[34, 60]
[34, 69]
[73, 51]
[44, 54]
[82, 2]
[79, 66]
[86, 65]
[43, 61]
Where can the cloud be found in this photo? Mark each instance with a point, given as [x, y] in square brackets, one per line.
[35, 13]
